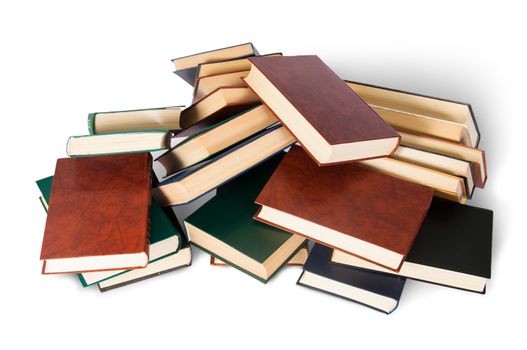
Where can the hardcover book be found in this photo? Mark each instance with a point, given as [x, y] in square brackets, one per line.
[116, 143]
[475, 156]
[163, 118]
[218, 105]
[330, 121]
[206, 85]
[421, 114]
[98, 214]
[195, 181]
[347, 207]
[227, 66]
[221, 136]
[165, 237]
[186, 66]
[378, 291]
[224, 227]
[453, 248]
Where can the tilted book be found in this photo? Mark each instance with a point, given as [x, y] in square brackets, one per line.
[347, 207]
[330, 121]
[224, 227]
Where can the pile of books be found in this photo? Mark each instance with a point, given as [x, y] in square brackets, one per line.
[376, 179]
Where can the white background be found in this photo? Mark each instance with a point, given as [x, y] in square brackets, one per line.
[60, 61]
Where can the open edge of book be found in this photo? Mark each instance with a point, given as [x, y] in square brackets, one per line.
[362, 296]
[328, 236]
[165, 118]
[95, 263]
[419, 272]
[264, 270]
[213, 55]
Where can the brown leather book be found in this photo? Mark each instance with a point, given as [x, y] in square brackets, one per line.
[330, 121]
[98, 214]
[347, 207]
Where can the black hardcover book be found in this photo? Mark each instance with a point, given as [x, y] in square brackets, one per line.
[453, 248]
[376, 290]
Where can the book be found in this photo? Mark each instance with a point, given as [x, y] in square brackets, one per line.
[446, 164]
[296, 260]
[166, 264]
[224, 227]
[118, 142]
[378, 291]
[327, 118]
[206, 85]
[226, 66]
[98, 214]
[218, 105]
[444, 185]
[163, 118]
[453, 248]
[210, 141]
[165, 237]
[195, 181]
[186, 66]
[475, 156]
[346, 206]
[421, 114]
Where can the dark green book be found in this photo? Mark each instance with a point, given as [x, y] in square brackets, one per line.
[224, 227]
[165, 238]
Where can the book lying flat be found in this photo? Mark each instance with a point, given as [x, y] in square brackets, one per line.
[378, 291]
[193, 182]
[453, 248]
[330, 121]
[163, 118]
[165, 237]
[446, 164]
[218, 105]
[224, 227]
[296, 260]
[226, 66]
[444, 185]
[475, 156]
[206, 85]
[186, 66]
[98, 214]
[209, 142]
[163, 265]
[421, 114]
[119, 142]
[346, 206]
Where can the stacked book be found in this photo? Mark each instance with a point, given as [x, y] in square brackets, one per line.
[363, 186]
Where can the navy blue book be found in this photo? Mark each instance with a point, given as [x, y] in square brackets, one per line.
[187, 66]
[376, 290]
[195, 181]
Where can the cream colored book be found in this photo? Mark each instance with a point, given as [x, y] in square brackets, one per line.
[297, 260]
[426, 115]
[206, 85]
[217, 138]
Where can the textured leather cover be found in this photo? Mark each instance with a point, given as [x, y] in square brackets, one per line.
[323, 99]
[229, 216]
[99, 206]
[348, 198]
[318, 262]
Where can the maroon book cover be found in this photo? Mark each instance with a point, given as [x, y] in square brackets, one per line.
[315, 104]
[98, 207]
[345, 206]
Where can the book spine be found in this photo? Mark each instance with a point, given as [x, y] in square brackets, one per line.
[91, 123]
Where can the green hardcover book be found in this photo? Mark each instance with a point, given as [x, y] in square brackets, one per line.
[162, 118]
[224, 227]
[165, 238]
[118, 143]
